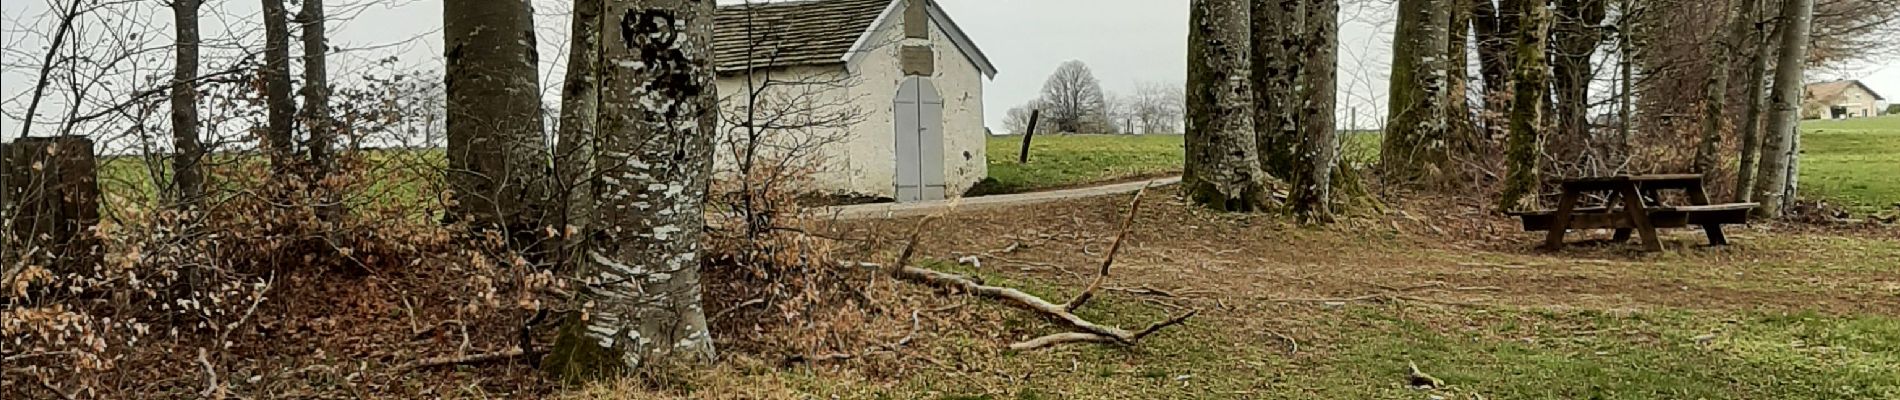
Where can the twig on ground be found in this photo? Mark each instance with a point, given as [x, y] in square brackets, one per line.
[916, 322]
[1128, 223]
[736, 307]
[48, 385]
[510, 353]
[212, 388]
[1143, 290]
[1293, 346]
[1083, 330]
[223, 337]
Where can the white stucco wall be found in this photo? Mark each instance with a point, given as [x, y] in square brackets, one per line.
[866, 162]
[959, 82]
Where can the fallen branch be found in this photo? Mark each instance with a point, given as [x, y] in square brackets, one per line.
[1128, 222]
[1143, 290]
[748, 303]
[212, 389]
[510, 353]
[1083, 330]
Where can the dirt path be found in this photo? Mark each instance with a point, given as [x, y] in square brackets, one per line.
[901, 210]
[1256, 258]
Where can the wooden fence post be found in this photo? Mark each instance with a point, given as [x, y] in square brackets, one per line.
[1029, 134]
[51, 199]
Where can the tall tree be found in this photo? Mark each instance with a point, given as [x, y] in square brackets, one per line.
[496, 161]
[657, 122]
[1771, 185]
[316, 93]
[1575, 36]
[1222, 169]
[1467, 139]
[1277, 29]
[574, 143]
[187, 177]
[1527, 115]
[1494, 24]
[1415, 142]
[1072, 98]
[280, 107]
[1715, 92]
[316, 109]
[1757, 99]
[1318, 149]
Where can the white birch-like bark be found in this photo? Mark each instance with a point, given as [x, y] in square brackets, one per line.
[1772, 182]
[657, 115]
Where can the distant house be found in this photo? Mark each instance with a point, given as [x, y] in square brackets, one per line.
[1841, 99]
[906, 77]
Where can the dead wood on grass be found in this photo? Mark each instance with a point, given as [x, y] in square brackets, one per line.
[1082, 330]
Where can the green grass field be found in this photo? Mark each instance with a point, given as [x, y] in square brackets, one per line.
[1855, 161]
[1058, 161]
[1852, 162]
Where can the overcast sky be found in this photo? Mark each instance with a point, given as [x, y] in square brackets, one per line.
[1124, 41]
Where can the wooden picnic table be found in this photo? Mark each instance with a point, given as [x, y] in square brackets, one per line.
[1634, 205]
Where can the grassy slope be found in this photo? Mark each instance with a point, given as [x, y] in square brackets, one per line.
[1057, 161]
[1853, 161]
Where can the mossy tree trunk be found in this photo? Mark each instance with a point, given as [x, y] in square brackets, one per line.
[1527, 115]
[1778, 142]
[1415, 147]
[1222, 167]
[1319, 144]
[574, 146]
[657, 105]
[496, 152]
[1756, 93]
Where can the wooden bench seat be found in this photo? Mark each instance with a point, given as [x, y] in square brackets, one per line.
[1633, 206]
[1660, 217]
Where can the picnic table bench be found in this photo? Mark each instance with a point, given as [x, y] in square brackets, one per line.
[1634, 205]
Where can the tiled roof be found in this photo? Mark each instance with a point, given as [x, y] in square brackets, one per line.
[1827, 91]
[808, 32]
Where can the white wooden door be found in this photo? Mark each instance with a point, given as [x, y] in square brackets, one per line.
[919, 134]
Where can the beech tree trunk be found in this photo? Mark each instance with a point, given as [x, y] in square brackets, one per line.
[1778, 142]
[1527, 116]
[316, 94]
[280, 108]
[1277, 31]
[1222, 165]
[1415, 135]
[574, 146]
[187, 178]
[1750, 133]
[1319, 145]
[1715, 99]
[657, 120]
[1495, 24]
[497, 164]
[316, 110]
[1464, 132]
[1575, 41]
